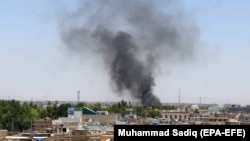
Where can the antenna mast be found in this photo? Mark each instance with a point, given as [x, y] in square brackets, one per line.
[78, 97]
[179, 97]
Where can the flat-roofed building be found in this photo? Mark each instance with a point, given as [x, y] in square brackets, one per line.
[44, 125]
[175, 115]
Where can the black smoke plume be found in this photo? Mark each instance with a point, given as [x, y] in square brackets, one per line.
[132, 36]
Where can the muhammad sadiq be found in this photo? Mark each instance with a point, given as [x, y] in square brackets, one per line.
[123, 132]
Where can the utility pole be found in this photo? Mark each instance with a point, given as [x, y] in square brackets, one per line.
[78, 97]
[200, 101]
[179, 97]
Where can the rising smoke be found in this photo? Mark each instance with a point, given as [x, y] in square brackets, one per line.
[131, 35]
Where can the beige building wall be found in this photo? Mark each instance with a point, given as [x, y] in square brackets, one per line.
[180, 116]
[3, 134]
[42, 124]
[103, 119]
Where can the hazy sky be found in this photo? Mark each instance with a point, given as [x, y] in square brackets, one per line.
[34, 63]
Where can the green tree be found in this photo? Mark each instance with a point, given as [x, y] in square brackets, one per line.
[62, 110]
[196, 111]
[216, 114]
[153, 113]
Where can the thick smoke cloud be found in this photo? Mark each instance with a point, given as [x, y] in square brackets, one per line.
[131, 35]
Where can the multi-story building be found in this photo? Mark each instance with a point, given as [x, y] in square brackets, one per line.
[42, 125]
[175, 115]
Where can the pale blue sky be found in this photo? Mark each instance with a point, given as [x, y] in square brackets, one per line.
[33, 63]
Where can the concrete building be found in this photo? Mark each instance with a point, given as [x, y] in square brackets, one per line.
[42, 125]
[75, 113]
[232, 105]
[239, 109]
[214, 109]
[73, 121]
[102, 112]
[175, 115]
[66, 125]
[103, 117]
[57, 126]
[3, 134]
